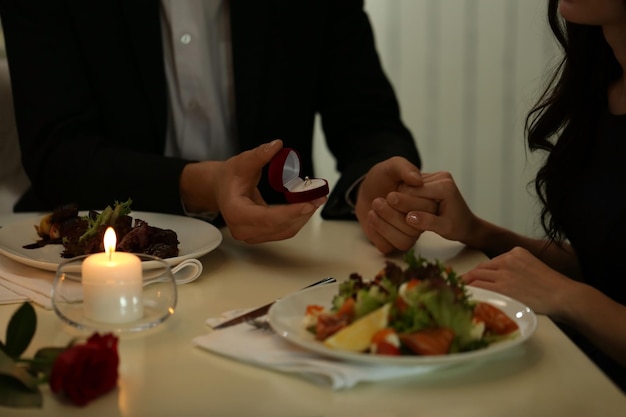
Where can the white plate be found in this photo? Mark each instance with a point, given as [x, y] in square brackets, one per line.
[195, 237]
[287, 314]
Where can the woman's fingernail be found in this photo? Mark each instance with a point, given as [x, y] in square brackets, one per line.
[413, 218]
[308, 208]
[270, 145]
[393, 199]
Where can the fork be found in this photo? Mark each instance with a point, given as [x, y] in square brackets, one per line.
[260, 324]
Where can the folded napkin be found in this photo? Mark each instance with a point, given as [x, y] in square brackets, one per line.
[7, 296]
[19, 282]
[266, 349]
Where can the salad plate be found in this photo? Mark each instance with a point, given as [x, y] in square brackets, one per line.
[196, 238]
[286, 317]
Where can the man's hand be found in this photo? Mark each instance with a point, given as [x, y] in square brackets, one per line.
[230, 187]
[381, 216]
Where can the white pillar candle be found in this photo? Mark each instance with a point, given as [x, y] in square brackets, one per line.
[112, 284]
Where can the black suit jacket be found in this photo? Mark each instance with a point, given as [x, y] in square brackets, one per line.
[90, 95]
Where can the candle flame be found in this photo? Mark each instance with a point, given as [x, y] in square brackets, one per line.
[110, 241]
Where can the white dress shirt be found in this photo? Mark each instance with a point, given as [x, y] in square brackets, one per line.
[198, 68]
[199, 72]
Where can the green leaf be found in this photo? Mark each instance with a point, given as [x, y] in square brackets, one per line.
[13, 394]
[20, 330]
[108, 216]
[18, 388]
[102, 218]
[44, 359]
[368, 300]
[410, 259]
[122, 209]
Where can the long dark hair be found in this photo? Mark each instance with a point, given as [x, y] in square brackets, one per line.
[564, 119]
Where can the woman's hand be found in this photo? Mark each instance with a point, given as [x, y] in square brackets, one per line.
[522, 276]
[451, 218]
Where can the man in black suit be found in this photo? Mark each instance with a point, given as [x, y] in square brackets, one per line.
[99, 90]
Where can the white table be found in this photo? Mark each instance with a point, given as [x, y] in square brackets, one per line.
[163, 374]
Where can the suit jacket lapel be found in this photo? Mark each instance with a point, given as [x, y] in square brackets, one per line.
[144, 26]
[250, 20]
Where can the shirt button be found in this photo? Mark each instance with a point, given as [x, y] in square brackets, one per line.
[185, 39]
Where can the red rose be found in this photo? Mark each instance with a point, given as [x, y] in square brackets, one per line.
[86, 371]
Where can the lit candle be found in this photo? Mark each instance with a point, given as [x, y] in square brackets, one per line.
[112, 284]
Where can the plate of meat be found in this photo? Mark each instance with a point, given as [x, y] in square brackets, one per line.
[21, 241]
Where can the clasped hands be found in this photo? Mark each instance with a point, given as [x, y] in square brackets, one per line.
[419, 202]
[390, 191]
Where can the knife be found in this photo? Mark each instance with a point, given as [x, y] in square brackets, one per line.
[261, 311]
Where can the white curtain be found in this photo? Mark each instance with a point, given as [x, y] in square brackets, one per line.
[466, 73]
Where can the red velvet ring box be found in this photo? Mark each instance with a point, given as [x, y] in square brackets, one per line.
[284, 177]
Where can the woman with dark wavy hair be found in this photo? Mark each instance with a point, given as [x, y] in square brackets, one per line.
[576, 274]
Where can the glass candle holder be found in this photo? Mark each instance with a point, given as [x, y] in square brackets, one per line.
[115, 298]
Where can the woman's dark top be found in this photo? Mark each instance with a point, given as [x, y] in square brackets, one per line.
[594, 221]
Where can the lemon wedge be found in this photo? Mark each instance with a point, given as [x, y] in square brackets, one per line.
[357, 336]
